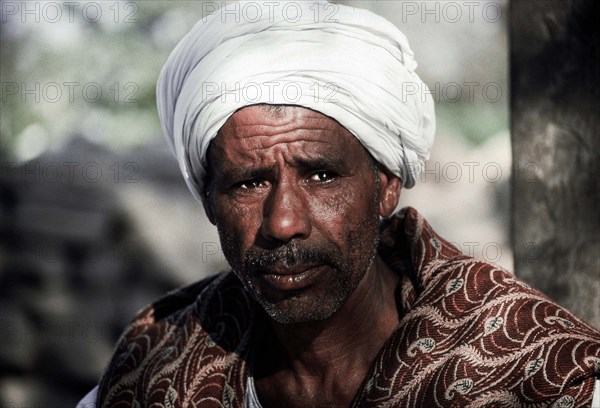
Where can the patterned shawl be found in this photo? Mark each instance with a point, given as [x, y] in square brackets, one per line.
[470, 335]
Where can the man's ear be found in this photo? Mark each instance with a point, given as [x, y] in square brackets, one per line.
[208, 206]
[389, 192]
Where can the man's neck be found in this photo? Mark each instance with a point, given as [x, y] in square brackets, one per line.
[328, 360]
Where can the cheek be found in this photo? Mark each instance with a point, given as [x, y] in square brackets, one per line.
[238, 226]
[345, 212]
[238, 215]
[351, 200]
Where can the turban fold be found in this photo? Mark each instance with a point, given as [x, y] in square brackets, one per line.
[349, 64]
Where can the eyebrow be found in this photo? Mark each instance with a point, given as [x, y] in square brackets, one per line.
[320, 163]
[239, 173]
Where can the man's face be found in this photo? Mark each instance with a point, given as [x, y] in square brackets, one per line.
[297, 204]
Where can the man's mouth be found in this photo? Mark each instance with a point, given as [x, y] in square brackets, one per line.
[294, 278]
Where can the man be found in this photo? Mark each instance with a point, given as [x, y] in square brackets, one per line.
[326, 305]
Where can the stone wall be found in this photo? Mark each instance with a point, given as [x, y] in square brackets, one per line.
[74, 270]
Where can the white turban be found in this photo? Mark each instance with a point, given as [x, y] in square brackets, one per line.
[349, 64]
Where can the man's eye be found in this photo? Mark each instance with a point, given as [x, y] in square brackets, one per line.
[249, 184]
[322, 176]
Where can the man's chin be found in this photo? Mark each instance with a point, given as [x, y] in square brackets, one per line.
[311, 301]
[296, 317]
[295, 310]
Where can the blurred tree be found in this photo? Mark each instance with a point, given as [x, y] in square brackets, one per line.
[555, 68]
[82, 75]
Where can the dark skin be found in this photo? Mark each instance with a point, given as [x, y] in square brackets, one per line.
[297, 204]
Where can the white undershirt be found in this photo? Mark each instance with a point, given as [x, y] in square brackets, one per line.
[251, 397]
[596, 394]
[89, 401]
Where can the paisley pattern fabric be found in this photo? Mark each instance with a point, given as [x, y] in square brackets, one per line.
[471, 335]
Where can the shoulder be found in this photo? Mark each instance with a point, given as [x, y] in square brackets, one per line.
[473, 334]
[464, 287]
[202, 302]
[207, 321]
[488, 299]
[503, 340]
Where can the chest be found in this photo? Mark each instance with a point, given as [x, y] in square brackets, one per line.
[285, 389]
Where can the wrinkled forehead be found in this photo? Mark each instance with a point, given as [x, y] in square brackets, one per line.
[264, 126]
[259, 133]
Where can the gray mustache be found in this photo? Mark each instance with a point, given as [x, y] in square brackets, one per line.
[289, 256]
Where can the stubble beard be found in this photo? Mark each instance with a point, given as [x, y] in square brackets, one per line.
[344, 271]
[343, 277]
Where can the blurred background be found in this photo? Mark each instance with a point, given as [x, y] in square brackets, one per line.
[96, 219]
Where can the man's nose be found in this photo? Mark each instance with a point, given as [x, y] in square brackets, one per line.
[286, 215]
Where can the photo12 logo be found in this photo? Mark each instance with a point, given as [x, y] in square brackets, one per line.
[453, 92]
[72, 172]
[49, 332]
[68, 11]
[69, 91]
[271, 11]
[270, 92]
[450, 11]
[473, 172]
